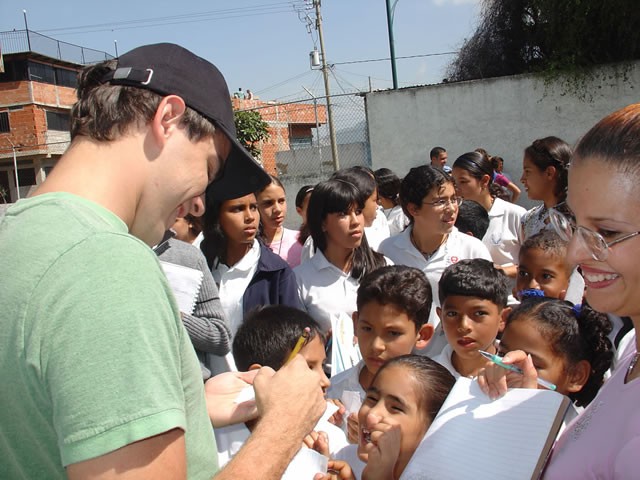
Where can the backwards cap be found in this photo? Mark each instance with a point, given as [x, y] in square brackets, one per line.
[170, 69]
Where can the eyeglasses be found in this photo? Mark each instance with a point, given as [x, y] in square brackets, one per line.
[442, 203]
[594, 242]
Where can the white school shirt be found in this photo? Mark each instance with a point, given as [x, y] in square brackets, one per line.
[458, 246]
[502, 238]
[378, 231]
[325, 290]
[232, 283]
[398, 221]
[230, 439]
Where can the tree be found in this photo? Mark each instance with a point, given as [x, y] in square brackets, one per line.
[549, 36]
[251, 130]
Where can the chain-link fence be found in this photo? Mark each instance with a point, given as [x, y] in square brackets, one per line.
[300, 142]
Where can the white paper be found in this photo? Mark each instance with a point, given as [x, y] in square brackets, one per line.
[185, 283]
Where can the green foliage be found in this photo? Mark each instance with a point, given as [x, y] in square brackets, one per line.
[251, 130]
[561, 39]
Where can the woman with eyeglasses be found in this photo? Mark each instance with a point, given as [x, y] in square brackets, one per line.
[544, 176]
[604, 441]
[473, 174]
[431, 242]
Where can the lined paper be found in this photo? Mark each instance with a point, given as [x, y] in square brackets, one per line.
[475, 437]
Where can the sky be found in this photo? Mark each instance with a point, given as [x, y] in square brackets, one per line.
[264, 45]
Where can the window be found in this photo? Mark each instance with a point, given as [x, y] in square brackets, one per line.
[39, 72]
[26, 176]
[58, 121]
[14, 70]
[300, 142]
[66, 78]
[4, 122]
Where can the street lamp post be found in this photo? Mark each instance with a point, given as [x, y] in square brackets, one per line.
[392, 50]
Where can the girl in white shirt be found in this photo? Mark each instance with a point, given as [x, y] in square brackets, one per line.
[388, 190]
[473, 174]
[328, 281]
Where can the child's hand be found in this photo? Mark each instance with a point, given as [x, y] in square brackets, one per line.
[382, 450]
[494, 380]
[337, 418]
[338, 470]
[318, 441]
[353, 434]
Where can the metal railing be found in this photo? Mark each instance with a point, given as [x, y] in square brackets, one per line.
[22, 41]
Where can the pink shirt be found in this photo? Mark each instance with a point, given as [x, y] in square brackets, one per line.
[288, 247]
[604, 441]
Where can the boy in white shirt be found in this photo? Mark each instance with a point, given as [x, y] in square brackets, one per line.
[267, 338]
[391, 320]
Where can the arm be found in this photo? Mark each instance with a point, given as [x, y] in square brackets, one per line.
[515, 191]
[162, 456]
[207, 326]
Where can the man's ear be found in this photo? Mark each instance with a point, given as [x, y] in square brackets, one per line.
[424, 335]
[167, 117]
[255, 366]
[578, 376]
[503, 318]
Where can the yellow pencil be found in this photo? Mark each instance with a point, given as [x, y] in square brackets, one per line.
[300, 343]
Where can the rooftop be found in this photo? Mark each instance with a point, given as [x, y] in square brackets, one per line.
[28, 41]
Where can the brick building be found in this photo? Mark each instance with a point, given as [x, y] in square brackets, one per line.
[37, 90]
[290, 127]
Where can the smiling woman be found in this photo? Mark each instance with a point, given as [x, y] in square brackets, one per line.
[603, 441]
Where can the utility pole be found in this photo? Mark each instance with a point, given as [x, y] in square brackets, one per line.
[392, 49]
[325, 74]
[15, 168]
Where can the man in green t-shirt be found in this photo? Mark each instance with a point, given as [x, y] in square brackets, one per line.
[99, 377]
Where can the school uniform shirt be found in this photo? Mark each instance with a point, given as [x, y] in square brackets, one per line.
[324, 289]
[378, 231]
[347, 381]
[502, 238]
[397, 220]
[232, 283]
[458, 246]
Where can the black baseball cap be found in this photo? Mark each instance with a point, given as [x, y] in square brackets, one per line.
[169, 69]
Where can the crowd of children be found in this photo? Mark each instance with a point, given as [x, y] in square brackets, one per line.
[399, 284]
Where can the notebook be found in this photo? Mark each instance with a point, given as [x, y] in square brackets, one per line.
[185, 283]
[475, 437]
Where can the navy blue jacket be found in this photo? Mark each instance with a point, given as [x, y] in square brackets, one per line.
[274, 283]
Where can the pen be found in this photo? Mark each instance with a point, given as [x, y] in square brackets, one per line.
[299, 344]
[498, 361]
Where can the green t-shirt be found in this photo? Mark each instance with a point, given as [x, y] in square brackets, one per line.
[92, 350]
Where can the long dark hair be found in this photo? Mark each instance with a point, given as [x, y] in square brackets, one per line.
[214, 243]
[333, 196]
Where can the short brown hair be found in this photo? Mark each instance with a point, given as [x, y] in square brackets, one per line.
[105, 112]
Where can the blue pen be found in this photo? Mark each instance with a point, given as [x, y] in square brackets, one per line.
[498, 361]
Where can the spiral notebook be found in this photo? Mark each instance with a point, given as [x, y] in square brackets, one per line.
[185, 283]
[475, 437]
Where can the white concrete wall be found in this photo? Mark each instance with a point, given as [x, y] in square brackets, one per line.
[502, 115]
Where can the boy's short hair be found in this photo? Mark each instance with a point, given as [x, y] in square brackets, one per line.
[407, 288]
[549, 242]
[474, 278]
[472, 217]
[268, 334]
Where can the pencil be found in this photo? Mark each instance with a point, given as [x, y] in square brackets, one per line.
[299, 344]
[498, 361]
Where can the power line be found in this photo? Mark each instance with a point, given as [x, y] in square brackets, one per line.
[248, 11]
[397, 58]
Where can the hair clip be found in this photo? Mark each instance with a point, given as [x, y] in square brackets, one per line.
[577, 309]
[530, 292]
